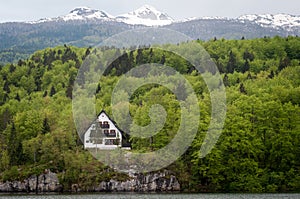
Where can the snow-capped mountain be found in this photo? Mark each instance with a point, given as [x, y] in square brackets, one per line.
[84, 26]
[80, 13]
[150, 16]
[275, 21]
[146, 15]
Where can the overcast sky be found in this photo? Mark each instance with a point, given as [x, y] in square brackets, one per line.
[27, 10]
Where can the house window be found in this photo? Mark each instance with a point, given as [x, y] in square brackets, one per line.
[105, 125]
[112, 133]
[106, 132]
[112, 141]
[109, 142]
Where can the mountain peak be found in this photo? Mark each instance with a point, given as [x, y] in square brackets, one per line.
[79, 13]
[146, 8]
[146, 15]
[82, 13]
[81, 9]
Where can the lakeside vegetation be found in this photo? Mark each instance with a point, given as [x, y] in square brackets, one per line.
[258, 151]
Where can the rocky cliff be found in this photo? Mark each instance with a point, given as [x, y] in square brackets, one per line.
[152, 182]
[48, 182]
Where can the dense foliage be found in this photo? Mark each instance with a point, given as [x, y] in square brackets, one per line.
[258, 151]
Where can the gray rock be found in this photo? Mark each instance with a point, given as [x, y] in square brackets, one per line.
[153, 182]
[46, 182]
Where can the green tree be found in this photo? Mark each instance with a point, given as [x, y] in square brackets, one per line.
[231, 65]
[52, 91]
[14, 146]
[46, 126]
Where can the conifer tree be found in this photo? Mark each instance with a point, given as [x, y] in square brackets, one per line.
[242, 89]
[14, 146]
[225, 80]
[231, 65]
[46, 126]
[52, 91]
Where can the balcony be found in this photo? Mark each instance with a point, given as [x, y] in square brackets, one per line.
[111, 133]
[104, 125]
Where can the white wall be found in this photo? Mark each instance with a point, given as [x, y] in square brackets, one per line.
[102, 118]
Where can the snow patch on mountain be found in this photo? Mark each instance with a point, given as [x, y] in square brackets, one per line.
[201, 18]
[274, 21]
[146, 15]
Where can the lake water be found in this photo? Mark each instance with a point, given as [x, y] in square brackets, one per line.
[156, 196]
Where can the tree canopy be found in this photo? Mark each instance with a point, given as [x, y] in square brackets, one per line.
[258, 151]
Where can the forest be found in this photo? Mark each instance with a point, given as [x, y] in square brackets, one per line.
[258, 150]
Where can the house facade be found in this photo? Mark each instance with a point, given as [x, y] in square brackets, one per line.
[104, 134]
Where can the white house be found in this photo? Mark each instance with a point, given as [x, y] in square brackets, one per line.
[104, 134]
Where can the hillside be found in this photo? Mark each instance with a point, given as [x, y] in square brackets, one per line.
[258, 150]
[84, 27]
